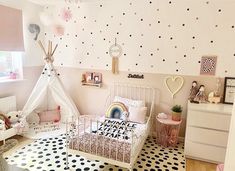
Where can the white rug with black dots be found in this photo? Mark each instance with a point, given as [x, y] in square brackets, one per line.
[50, 155]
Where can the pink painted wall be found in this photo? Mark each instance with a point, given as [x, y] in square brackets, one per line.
[91, 100]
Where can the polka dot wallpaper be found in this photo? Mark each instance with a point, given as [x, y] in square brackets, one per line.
[157, 36]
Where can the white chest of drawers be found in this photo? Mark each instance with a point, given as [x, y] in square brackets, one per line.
[207, 131]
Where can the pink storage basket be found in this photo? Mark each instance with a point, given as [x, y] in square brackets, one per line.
[167, 131]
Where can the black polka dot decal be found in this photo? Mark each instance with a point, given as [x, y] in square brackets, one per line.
[170, 28]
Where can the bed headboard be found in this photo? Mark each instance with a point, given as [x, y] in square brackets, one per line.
[8, 104]
[135, 92]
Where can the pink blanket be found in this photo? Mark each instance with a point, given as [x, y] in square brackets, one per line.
[102, 146]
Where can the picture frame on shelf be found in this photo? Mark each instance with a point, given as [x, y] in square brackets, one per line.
[92, 79]
[88, 77]
[97, 77]
[229, 90]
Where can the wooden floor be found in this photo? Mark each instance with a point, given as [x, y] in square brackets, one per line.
[196, 165]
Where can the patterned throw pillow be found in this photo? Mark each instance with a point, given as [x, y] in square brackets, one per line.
[125, 116]
[115, 110]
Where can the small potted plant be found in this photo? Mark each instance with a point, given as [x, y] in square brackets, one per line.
[176, 112]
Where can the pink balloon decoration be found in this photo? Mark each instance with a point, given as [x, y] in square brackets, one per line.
[58, 30]
[66, 14]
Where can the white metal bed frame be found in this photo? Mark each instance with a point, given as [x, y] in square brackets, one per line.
[135, 92]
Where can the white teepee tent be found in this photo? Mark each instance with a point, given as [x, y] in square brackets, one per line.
[49, 82]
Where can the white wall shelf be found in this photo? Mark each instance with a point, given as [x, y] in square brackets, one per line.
[99, 85]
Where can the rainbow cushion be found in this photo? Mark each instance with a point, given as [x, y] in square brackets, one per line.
[115, 110]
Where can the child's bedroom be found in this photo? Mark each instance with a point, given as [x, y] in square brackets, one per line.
[107, 85]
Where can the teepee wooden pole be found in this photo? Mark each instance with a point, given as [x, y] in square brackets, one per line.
[42, 47]
[54, 49]
[49, 47]
[50, 51]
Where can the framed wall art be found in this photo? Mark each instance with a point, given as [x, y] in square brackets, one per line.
[92, 79]
[208, 65]
[229, 90]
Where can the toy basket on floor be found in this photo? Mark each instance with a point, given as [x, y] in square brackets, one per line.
[167, 131]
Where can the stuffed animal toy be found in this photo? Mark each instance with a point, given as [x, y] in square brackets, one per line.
[21, 126]
[193, 91]
[2, 125]
[13, 116]
[33, 118]
[6, 120]
[212, 98]
[125, 116]
[201, 96]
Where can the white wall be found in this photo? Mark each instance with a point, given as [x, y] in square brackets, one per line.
[33, 54]
[230, 154]
[175, 14]
[197, 28]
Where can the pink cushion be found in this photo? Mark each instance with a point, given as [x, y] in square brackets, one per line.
[137, 114]
[50, 116]
[220, 167]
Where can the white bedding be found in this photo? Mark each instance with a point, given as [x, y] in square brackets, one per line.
[115, 128]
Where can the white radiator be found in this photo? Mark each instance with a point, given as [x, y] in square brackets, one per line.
[7, 104]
